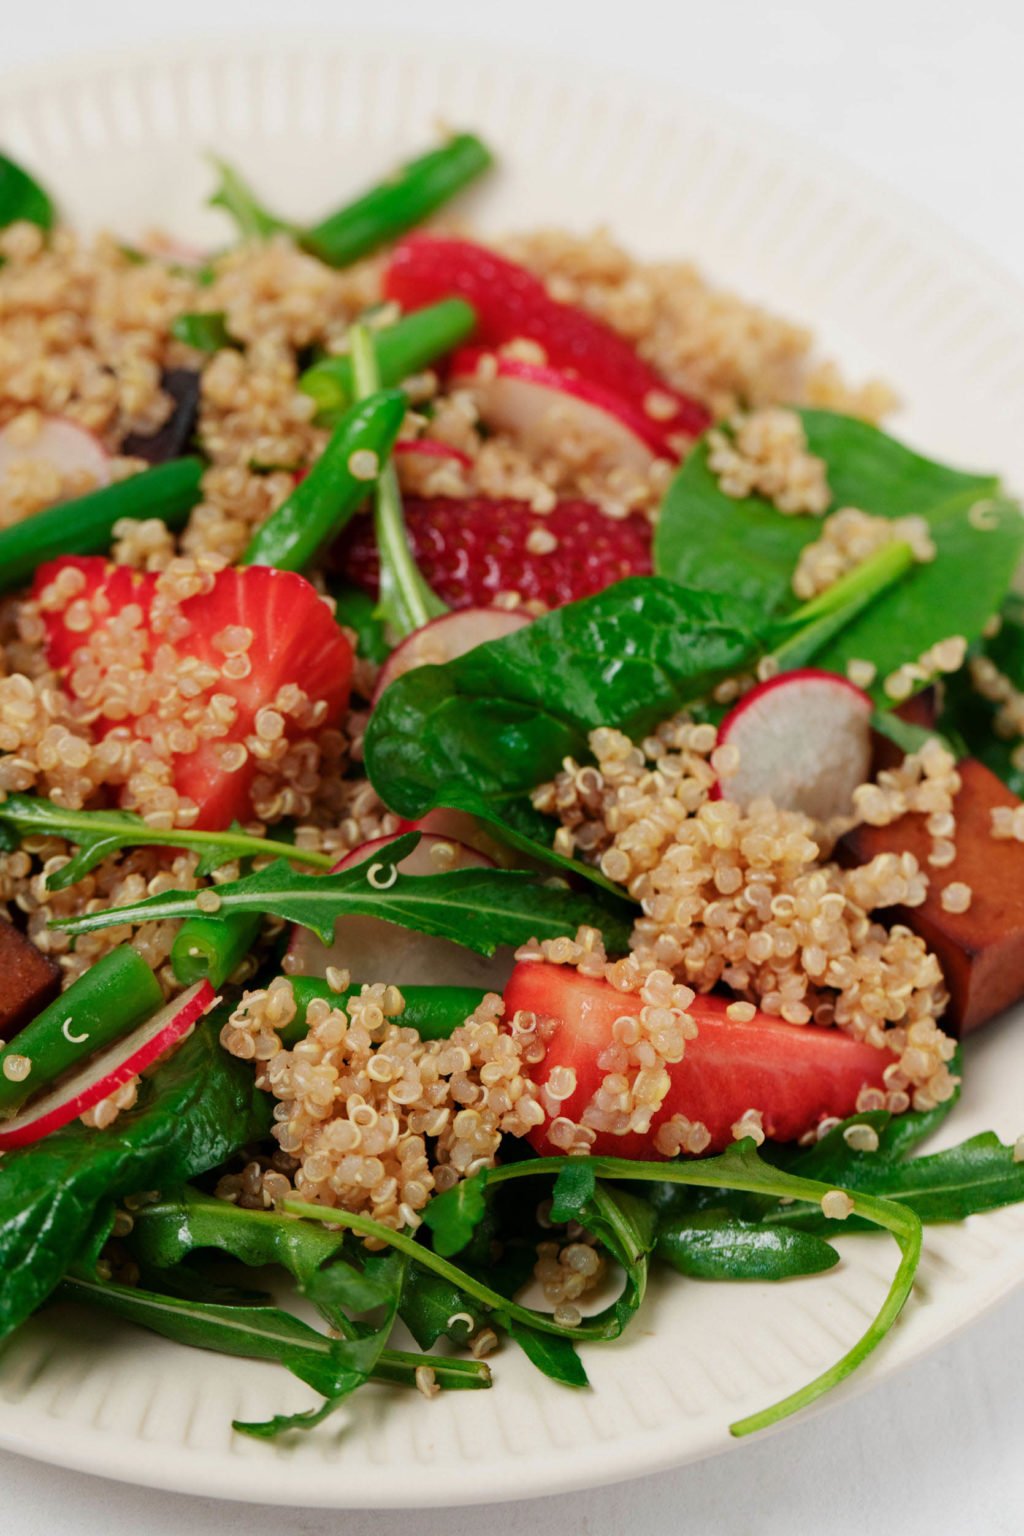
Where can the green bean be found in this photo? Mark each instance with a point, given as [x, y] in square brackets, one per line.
[407, 347]
[85, 525]
[21, 197]
[206, 331]
[415, 192]
[114, 995]
[211, 948]
[321, 505]
[432, 1011]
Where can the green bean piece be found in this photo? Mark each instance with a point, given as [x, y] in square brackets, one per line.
[211, 948]
[402, 349]
[336, 486]
[114, 995]
[433, 1012]
[85, 525]
[415, 192]
[206, 331]
[21, 197]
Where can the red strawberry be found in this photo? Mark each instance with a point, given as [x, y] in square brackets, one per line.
[795, 1075]
[470, 550]
[511, 303]
[294, 641]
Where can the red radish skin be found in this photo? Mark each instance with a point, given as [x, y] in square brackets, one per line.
[373, 950]
[512, 303]
[109, 1071]
[72, 451]
[795, 1075]
[804, 742]
[538, 404]
[451, 635]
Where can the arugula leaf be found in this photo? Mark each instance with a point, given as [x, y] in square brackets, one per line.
[556, 1357]
[714, 1245]
[192, 1114]
[454, 1216]
[356, 610]
[240, 203]
[21, 197]
[707, 539]
[485, 729]
[101, 833]
[330, 1366]
[479, 908]
[980, 1174]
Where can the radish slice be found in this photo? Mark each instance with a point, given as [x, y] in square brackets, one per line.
[539, 405]
[108, 1071]
[372, 950]
[453, 634]
[804, 742]
[464, 827]
[78, 460]
[431, 448]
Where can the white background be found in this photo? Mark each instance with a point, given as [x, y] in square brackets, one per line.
[928, 97]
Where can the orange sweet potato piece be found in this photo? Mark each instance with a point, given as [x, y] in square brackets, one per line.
[28, 979]
[981, 951]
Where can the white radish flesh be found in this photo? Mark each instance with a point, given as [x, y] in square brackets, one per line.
[108, 1071]
[541, 406]
[71, 458]
[804, 742]
[372, 950]
[443, 639]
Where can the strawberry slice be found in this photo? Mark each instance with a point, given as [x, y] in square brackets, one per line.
[293, 640]
[511, 304]
[471, 549]
[794, 1075]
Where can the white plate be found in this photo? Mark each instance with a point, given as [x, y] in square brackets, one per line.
[891, 292]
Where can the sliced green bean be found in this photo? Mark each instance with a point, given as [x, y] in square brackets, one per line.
[206, 331]
[21, 197]
[339, 482]
[85, 525]
[433, 1012]
[415, 192]
[212, 948]
[114, 995]
[402, 349]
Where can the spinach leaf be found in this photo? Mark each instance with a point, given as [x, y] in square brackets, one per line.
[198, 1109]
[939, 598]
[707, 539]
[483, 730]
[21, 197]
[479, 908]
[714, 1245]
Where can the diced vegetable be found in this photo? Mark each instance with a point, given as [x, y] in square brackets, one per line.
[30, 979]
[117, 992]
[84, 526]
[409, 346]
[104, 1074]
[340, 480]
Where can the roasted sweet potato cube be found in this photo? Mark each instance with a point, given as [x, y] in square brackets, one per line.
[28, 979]
[981, 951]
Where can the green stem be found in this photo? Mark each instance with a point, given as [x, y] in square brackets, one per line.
[85, 525]
[336, 486]
[407, 347]
[433, 1012]
[811, 627]
[408, 197]
[405, 602]
[112, 996]
[739, 1170]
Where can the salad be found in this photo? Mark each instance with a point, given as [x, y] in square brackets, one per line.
[510, 779]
